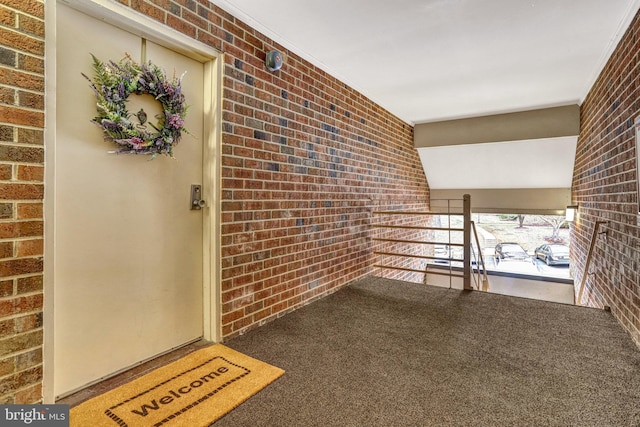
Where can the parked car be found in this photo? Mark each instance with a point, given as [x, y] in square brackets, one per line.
[554, 254]
[510, 251]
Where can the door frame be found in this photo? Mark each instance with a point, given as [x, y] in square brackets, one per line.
[136, 23]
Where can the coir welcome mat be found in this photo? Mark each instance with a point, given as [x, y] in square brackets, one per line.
[193, 391]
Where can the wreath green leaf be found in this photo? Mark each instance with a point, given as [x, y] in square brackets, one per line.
[114, 82]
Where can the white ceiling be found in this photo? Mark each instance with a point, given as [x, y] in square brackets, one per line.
[432, 60]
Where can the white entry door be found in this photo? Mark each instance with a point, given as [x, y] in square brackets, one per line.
[128, 249]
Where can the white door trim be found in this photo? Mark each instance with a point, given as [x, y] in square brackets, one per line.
[143, 26]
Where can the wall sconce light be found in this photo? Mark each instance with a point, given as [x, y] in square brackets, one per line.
[571, 212]
[274, 60]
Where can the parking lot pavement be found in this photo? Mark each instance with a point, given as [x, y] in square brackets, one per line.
[552, 270]
[532, 267]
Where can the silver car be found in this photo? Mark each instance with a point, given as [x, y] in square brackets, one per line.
[553, 254]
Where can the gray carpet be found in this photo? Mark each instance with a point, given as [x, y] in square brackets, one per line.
[389, 353]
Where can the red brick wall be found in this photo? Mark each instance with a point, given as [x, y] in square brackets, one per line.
[21, 193]
[604, 186]
[305, 160]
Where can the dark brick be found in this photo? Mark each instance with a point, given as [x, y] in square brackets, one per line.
[191, 5]
[7, 57]
[174, 8]
[29, 359]
[31, 321]
[6, 210]
[30, 284]
[21, 154]
[20, 342]
[6, 133]
[6, 172]
[30, 63]
[31, 100]
[17, 267]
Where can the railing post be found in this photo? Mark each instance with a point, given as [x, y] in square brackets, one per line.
[480, 259]
[466, 212]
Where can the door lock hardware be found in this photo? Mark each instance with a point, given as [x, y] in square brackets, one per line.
[196, 197]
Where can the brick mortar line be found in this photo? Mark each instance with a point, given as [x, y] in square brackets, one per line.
[279, 265]
[12, 394]
[13, 9]
[20, 107]
[25, 275]
[25, 257]
[26, 294]
[596, 119]
[23, 370]
[616, 193]
[384, 149]
[595, 217]
[386, 123]
[18, 181]
[615, 251]
[292, 246]
[623, 285]
[22, 144]
[21, 351]
[345, 238]
[20, 239]
[18, 162]
[275, 277]
[351, 125]
[320, 219]
[302, 303]
[622, 313]
[364, 226]
[23, 89]
[618, 164]
[611, 291]
[23, 13]
[22, 70]
[352, 166]
[595, 157]
[275, 267]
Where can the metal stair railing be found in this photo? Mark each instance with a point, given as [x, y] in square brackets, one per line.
[481, 280]
[472, 278]
[587, 263]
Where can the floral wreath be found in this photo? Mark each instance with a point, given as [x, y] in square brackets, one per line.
[114, 82]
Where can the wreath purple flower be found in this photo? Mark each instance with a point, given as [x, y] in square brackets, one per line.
[114, 82]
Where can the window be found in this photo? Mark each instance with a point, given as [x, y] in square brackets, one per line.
[535, 245]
